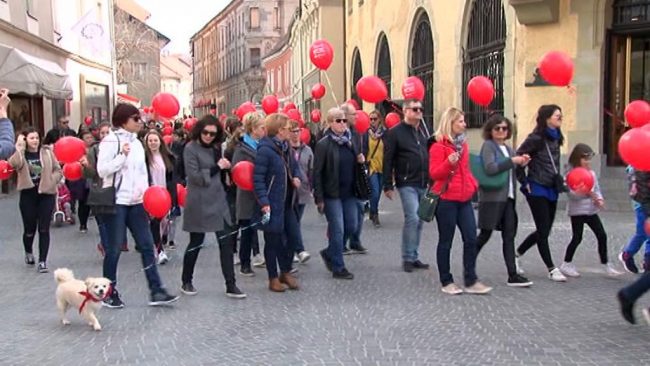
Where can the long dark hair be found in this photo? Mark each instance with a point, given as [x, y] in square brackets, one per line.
[164, 151]
[580, 151]
[29, 130]
[122, 113]
[207, 120]
[543, 114]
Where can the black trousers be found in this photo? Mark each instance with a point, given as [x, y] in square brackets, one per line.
[543, 211]
[36, 210]
[508, 226]
[154, 225]
[225, 256]
[577, 227]
[84, 211]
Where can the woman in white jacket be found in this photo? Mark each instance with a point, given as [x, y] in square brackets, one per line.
[121, 163]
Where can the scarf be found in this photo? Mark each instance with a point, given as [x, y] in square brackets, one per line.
[250, 141]
[341, 140]
[376, 133]
[552, 133]
[459, 141]
[282, 145]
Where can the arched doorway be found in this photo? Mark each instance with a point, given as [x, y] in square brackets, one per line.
[483, 55]
[357, 73]
[628, 60]
[383, 67]
[421, 62]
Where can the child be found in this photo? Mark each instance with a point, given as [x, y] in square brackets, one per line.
[63, 205]
[627, 255]
[583, 209]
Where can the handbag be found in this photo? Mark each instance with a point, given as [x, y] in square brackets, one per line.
[361, 181]
[429, 202]
[486, 181]
[100, 199]
[558, 179]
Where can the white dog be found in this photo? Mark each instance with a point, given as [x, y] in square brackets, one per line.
[85, 296]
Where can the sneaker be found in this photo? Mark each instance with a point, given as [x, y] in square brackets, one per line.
[358, 249]
[258, 261]
[171, 245]
[346, 251]
[407, 266]
[646, 315]
[236, 260]
[83, 229]
[556, 275]
[296, 259]
[234, 292]
[246, 271]
[100, 249]
[42, 267]
[611, 271]
[326, 260]
[627, 308]
[161, 298]
[419, 265]
[452, 289]
[519, 281]
[162, 258]
[375, 220]
[478, 288]
[520, 269]
[303, 256]
[29, 259]
[188, 289]
[569, 270]
[344, 274]
[628, 262]
[114, 301]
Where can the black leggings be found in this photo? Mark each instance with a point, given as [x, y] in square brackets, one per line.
[84, 212]
[543, 211]
[577, 227]
[225, 256]
[508, 226]
[154, 225]
[36, 210]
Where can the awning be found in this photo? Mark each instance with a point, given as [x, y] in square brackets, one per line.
[21, 72]
[125, 98]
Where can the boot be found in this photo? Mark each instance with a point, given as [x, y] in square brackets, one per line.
[375, 220]
[289, 280]
[275, 285]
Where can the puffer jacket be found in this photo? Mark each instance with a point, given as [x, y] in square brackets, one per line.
[462, 185]
[540, 169]
[640, 190]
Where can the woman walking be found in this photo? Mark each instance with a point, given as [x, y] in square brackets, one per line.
[206, 208]
[497, 206]
[305, 158]
[375, 159]
[81, 188]
[452, 178]
[38, 173]
[275, 180]
[542, 183]
[121, 164]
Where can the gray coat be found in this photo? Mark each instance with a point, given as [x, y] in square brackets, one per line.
[493, 202]
[245, 201]
[206, 208]
[305, 158]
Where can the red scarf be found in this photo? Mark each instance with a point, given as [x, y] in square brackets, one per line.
[89, 297]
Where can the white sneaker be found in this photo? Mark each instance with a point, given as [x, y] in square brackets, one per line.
[236, 259]
[162, 258]
[258, 261]
[296, 259]
[611, 270]
[556, 275]
[294, 270]
[646, 314]
[520, 270]
[568, 269]
[478, 289]
[452, 289]
[303, 256]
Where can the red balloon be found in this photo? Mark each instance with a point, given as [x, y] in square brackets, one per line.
[413, 88]
[72, 171]
[315, 115]
[353, 103]
[167, 124]
[372, 89]
[88, 120]
[288, 106]
[632, 147]
[480, 90]
[245, 108]
[270, 104]
[556, 68]
[167, 131]
[580, 180]
[168, 139]
[392, 120]
[305, 135]
[294, 115]
[189, 123]
[321, 54]
[69, 149]
[242, 175]
[362, 122]
[181, 194]
[157, 201]
[166, 105]
[637, 113]
[646, 226]
[6, 170]
[318, 91]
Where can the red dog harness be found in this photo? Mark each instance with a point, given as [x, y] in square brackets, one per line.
[89, 297]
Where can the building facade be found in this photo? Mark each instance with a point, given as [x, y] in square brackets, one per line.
[175, 78]
[446, 43]
[227, 52]
[277, 65]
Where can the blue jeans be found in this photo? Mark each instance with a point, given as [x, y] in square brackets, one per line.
[412, 230]
[639, 287]
[294, 233]
[137, 221]
[640, 236]
[376, 184]
[355, 236]
[449, 215]
[103, 233]
[341, 217]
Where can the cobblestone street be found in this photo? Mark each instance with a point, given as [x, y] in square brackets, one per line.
[383, 317]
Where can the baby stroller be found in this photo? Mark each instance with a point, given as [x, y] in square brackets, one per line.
[63, 210]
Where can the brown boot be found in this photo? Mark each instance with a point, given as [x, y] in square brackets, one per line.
[289, 280]
[275, 285]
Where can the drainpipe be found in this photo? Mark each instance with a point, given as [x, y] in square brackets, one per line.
[345, 47]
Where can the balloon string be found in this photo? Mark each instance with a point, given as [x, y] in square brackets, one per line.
[329, 83]
[571, 90]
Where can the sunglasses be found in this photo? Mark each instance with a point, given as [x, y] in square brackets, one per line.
[65, 122]
[295, 131]
[416, 109]
[208, 133]
[374, 118]
[136, 118]
[500, 128]
[341, 120]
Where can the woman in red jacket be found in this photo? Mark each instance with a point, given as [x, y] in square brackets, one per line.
[449, 170]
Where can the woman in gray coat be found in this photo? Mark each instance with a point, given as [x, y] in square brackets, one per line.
[497, 205]
[206, 209]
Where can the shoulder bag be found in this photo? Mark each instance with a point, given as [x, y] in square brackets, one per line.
[100, 199]
[429, 202]
[486, 181]
[558, 179]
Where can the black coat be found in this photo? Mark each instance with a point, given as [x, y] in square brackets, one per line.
[540, 169]
[407, 156]
[326, 168]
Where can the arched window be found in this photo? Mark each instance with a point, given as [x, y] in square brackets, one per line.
[483, 55]
[421, 62]
[383, 67]
[357, 73]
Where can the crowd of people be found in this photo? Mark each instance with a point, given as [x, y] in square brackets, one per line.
[124, 158]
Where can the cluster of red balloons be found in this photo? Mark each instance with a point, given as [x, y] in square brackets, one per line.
[288, 106]
[157, 201]
[69, 149]
[580, 180]
[632, 146]
[244, 109]
[189, 123]
[73, 171]
[242, 175]
[6, 170]
[147, 110]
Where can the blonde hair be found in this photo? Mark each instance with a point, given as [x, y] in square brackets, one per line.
[447, 119]
[274, 122]
[251, 121]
